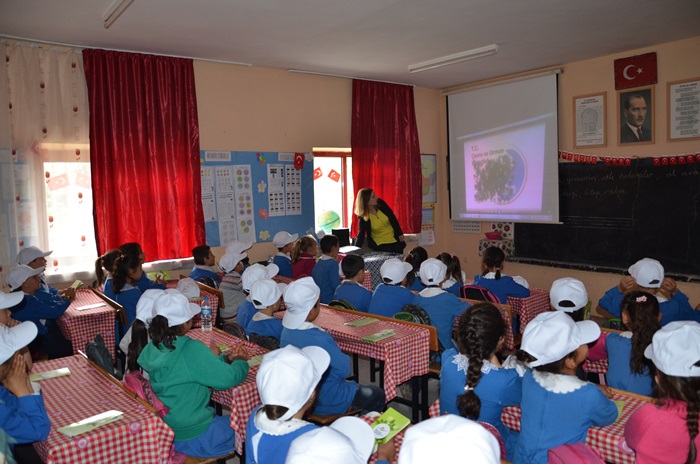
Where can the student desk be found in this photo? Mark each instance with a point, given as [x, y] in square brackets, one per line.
[81, 327]
[242, 398]
[405, 354]
[139, 436]
[609, 440]
[213, 301]
[528, 308]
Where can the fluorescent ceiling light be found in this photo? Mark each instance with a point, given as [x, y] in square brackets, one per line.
[115, 11]
[452, 59]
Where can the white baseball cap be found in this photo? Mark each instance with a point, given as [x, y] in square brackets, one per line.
[19, 275]
[568, 295]
[393, 271]
[288, 376]
[235, 247]
[648, 273]
[8, 300]
[264, 293]
[348, 440]
[230, 260]
[256, 272]
[188, 287]
[551, 336]
[675, 349]
[15, 338]
[447, 439]
[300, 297]
[29, 254]
[283, 238]
[144, 307]
[432, 272]
[175, 307]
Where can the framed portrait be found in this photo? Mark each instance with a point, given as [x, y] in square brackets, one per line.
[590, 120]
[683, 99]
[635, 109]
[428, 165]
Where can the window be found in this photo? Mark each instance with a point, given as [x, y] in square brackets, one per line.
[333, 189]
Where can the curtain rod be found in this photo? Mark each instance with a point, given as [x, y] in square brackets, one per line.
[318, 73]
[80, 47]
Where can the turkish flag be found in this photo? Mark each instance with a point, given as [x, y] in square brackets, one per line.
[335, 177]
[317, 173]
[635, 71]
[298, 160]
[58, 182]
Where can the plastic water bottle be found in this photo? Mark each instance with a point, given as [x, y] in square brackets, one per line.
[206, 315]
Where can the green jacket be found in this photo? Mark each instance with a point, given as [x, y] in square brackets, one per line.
[182, 378]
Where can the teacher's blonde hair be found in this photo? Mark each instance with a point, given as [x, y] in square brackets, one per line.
[362, 202]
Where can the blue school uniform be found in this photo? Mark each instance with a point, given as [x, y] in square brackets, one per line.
[271, 444]
[355, 294]
[498, 387]
[42, 309]
[327, 277]
[108, 290]
[336, 394]
[24, 419]
[556, 410]
[284, 262]
[442, 307]
[198, 274]
[144, 283]
[452, 286]
[620, 375]
[388, 300]
[417, 285]
[676, 309]
[246, 311]
[262, 324]
[503, 287]
[129, 297]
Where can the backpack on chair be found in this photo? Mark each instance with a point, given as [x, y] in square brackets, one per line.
[475, 292]
[413, 313]
[97, 352]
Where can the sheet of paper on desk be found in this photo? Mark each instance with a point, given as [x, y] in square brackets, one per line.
[91, 306]
[255, 360]
[620, 406]
[77, 284]
[91, 423]
[381, 335]
[362, 322]
[49, 374]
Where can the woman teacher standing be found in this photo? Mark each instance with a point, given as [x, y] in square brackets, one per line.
[378, 222]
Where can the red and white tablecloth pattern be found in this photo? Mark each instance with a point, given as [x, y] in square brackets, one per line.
[139, 436]
[528, 308]
[609, 440]
[597, 367]
[213, 301]
[242, 398]
[81, 326]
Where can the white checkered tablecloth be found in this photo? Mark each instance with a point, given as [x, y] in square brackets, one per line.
[242, 398]
[213, 301]
[597, 367]
[528, 308]
[609, 440]
[81, 326]
[139, 436]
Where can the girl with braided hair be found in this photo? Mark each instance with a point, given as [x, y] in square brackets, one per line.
[473, 382]
[667, 432]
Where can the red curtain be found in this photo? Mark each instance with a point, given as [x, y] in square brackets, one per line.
[144, 153]
[385, 148]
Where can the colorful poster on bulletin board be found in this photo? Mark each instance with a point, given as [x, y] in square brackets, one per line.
[250, 196]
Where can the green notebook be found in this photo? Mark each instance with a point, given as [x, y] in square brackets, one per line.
[165, 274]
[381, 335]
[389, 424]
[620, 406]
[91, 423]
[362, 322]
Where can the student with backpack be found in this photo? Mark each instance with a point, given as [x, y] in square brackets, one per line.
[493, 278]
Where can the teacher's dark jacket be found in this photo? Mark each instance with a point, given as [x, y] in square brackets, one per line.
[365, 228]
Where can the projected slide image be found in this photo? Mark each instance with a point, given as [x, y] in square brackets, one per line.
[499, 175]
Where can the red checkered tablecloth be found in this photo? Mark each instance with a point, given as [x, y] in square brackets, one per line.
[139, 436]
[81, 326]
[609, 440]
[242, 398]
[597, 367]
[213, 301]
[528, 308]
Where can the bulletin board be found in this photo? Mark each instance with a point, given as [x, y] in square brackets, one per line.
[250, 196]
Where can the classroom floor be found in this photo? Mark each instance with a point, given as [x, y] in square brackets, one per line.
[433, 393]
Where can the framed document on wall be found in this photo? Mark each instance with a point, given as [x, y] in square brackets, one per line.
[636, 116]
[590, 120]
[683, 109]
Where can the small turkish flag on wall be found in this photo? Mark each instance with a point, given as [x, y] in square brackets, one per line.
[298, 161]
[635, 71]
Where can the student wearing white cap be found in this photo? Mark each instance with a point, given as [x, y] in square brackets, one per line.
[667, 432]
[204, 269]
[36, 259]
[286, 381]
[569, 295]
[22, 415]
[137, 336]
[557, 407]
[336, 395]
[391, 295]
[647, 275]
[284, 241]
[267, 299]
[449, 439]
[183, 371]
[231, 285]
[442, 306]
[40, 308]
[252, 274]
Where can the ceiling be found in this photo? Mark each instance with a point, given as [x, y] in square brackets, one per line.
[369, 39]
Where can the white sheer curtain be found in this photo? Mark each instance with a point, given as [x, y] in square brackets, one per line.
[46, 197]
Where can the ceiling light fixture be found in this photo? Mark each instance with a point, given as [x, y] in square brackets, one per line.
[115, 11]
[455, 58]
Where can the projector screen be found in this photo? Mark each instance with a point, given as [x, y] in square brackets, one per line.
[503, 152]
